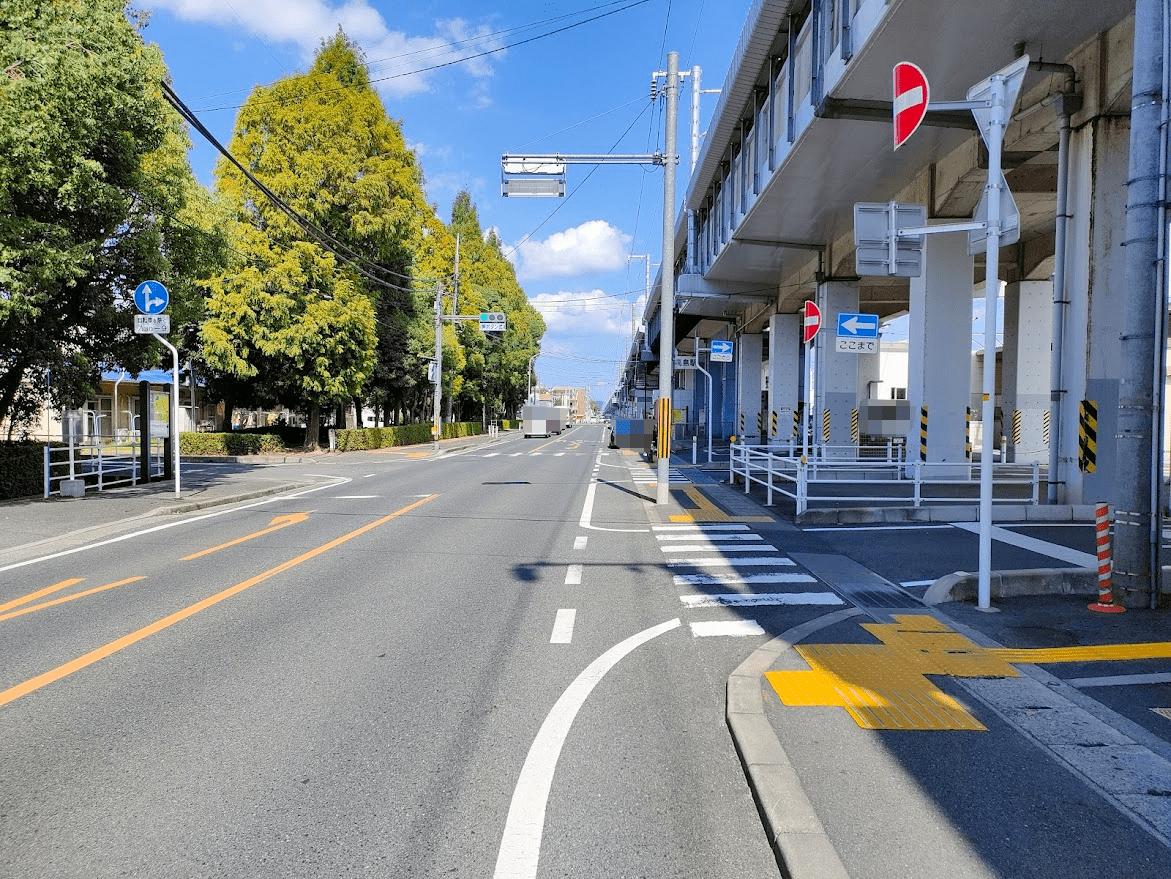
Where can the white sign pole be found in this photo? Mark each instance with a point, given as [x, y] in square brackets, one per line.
[174, 407]
[995, 141]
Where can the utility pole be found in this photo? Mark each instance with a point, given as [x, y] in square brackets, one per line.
[437, 424]
[667, 276]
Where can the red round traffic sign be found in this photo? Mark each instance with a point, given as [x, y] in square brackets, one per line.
[811, 320]
[911, 96]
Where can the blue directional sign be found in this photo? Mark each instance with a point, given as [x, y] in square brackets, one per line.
[151, 297]
[721, 351]
[857, 326]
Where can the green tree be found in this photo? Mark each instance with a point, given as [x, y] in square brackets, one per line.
[95, 197]
[297, 320]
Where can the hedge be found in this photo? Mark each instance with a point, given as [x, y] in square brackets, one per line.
[400, 435]
[229, 444]
[22, 469]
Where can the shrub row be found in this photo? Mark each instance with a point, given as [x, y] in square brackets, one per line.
[400, 435]
[229, 444]
[22, 469]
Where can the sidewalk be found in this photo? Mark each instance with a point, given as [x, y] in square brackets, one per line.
[910, 743]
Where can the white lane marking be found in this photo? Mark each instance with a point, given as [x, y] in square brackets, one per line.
[703, 527]
[369, 475]
[844, 528]
[770, 579]
[760, 599]
[1032, 544]
[587, 512]
[1120, 680]
[912, 584]
[354, 497]
[726, 629]
[573, 575]
[563, 626]
[720, 547]
[558, 454]
[491, 455]
[520, 847]
[720, 562]
[341, 480]
[700, 535]
[516, 454]
[580, 541]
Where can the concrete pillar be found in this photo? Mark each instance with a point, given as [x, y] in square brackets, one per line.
[837, 372]
[1095, 273]
[784, 364]
[748, 388]
[1028, 322]
[940, 354]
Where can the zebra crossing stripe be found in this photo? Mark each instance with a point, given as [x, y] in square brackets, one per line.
[770, 579]
[702, 526]
[760, 599]
[717, 547]
[715, 562]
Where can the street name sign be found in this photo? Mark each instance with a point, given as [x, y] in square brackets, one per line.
[857, 326]
[721, 351]
[911, 96]
[148, 324]
[151, 297]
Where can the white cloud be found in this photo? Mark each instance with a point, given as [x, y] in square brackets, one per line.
[594, 246]
[585, 313]
[398, 61]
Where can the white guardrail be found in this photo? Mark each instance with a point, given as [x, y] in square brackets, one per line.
[832, 478]
[101, 463]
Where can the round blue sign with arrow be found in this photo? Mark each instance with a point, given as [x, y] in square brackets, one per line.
[151, 297]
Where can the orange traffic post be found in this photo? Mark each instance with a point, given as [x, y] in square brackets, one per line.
[1105, 602]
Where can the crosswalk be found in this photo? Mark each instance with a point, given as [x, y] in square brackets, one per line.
[726, 565]
[645, 474]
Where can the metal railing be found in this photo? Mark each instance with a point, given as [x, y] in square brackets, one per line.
[101, 462]
[824, 479]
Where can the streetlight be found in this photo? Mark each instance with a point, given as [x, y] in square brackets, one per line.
[529, 377]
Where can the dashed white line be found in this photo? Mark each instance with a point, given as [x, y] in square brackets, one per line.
[563, 626]
[580, 541]
[573, 575]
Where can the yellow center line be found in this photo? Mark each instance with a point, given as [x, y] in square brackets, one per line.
[276, 525]
[66, 598]
[100, 653]
[33, 596]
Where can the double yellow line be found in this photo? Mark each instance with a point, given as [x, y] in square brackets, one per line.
[100, 653]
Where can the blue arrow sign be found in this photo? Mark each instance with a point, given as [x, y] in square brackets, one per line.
[721, 351]
[857, 326]
[151, 297]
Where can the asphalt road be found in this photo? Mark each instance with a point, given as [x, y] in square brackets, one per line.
[363, 679]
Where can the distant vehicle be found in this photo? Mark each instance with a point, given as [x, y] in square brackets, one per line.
[541, 420]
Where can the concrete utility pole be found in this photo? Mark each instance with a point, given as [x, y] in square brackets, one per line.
[1137, 517]
[667, 269]
[437, 424]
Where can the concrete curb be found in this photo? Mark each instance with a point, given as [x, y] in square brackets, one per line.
[802, 847]
[963, 586]
[192, 506]
[946, 514]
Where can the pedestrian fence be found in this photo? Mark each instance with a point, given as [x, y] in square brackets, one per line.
[101, 463]
[833, 475]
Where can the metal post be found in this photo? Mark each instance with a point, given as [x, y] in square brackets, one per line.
[174, 407]
[437, 415]
[667, 267]
[709, 407]
[996, 120]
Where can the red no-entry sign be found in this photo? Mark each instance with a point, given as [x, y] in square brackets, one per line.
[812, 321]
[911, 96]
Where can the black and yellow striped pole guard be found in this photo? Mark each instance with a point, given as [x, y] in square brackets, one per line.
[854, 435]
[1045, 416]
[968, 433]
[760, 424]
[1087, 436]
[825, 423]
[774, 430]
[663, 411]
[797, 422]
[1017, 418]
[923, 434]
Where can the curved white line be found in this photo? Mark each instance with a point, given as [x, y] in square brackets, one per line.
[587, 512]
[521, 845]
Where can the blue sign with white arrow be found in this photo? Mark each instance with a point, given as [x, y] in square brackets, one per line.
[721, 351]
[151, 297]
[857, 326]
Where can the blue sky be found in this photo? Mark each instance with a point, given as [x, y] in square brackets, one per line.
[585, 89]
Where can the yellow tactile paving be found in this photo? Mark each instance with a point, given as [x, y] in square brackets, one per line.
[703, 510]
[885, 686]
